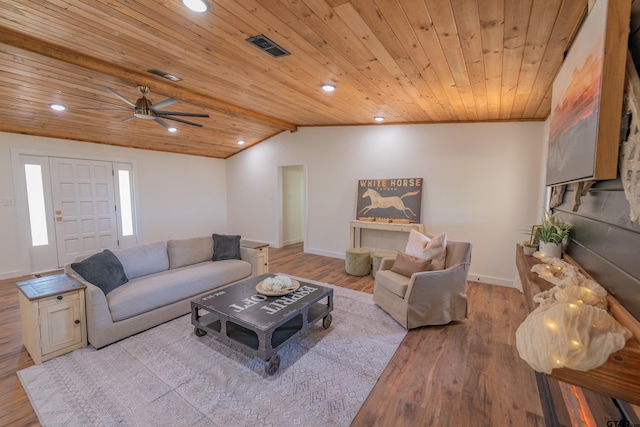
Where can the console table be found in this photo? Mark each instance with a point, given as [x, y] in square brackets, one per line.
[356, 227]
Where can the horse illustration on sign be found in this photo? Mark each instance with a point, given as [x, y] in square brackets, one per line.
[377, 201]
[390, 198]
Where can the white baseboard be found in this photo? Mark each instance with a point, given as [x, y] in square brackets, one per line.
[326, 253]
[12, 274]
[293, 241]
[491, 280]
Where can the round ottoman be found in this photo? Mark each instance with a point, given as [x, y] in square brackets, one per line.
[358, 261]
[377, 258]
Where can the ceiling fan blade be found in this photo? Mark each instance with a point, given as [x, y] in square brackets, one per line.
[116, 94]
[95, 99]
[162, 122]
[181, 121]
[176, 113]
[127, 119]
[163, 104]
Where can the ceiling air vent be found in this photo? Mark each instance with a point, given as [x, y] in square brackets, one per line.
[263, 43]
[165, 75]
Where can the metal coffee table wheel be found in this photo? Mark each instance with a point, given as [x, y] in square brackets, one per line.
[326, 322]
[272, 365]
[199, 332]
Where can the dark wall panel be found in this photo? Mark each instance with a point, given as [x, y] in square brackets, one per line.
[604, 241]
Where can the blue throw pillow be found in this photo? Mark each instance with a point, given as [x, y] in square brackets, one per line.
[103, 269]
[225, 247]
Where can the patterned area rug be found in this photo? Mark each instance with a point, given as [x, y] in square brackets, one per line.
[167, 376]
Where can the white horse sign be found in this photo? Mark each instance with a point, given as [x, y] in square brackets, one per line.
[390, 198]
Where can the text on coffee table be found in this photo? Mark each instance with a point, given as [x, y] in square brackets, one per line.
[276, 305]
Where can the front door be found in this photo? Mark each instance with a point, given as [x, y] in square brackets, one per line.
[84, 207]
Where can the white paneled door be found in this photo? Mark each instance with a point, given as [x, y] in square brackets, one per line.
[84, 207]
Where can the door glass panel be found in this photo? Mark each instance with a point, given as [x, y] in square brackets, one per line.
[126, 213]
[35, 200]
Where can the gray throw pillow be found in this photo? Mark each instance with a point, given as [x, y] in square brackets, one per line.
[103, 269]
[225, 247]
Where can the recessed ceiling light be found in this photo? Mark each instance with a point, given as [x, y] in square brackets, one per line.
[240, 142]
[57, 107]
[196, 5]
[378, 118]
[328, 87]
[172, 129]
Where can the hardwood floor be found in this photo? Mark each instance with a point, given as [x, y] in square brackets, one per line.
[463, 374]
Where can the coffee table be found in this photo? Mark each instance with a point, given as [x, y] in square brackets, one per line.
[243, 319]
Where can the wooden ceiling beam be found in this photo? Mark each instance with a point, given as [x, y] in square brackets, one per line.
[25, 42]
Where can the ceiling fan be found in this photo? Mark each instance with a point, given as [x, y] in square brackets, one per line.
[145, 109]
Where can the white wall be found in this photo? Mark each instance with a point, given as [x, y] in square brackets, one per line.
[181, 196]
[481, 184]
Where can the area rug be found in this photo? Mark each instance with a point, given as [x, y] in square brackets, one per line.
[167, 376]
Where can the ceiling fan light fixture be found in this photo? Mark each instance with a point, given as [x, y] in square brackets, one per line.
[198, 6]
[57, 107]
[172, 129]
[378, 119]
[240, 142]
[327, 87]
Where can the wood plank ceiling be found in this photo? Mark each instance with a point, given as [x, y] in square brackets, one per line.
[410, 61]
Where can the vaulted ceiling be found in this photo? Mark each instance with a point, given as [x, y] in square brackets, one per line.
[410, 61]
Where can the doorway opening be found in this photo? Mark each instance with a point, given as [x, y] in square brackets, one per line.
[292, 218]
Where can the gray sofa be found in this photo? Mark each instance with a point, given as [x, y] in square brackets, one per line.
[162, 280]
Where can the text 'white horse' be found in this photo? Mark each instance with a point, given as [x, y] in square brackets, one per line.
[378, 201]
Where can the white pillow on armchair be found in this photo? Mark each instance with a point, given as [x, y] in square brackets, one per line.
[435, 248]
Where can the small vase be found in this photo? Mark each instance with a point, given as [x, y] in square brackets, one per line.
[529, 250]
[552, 250]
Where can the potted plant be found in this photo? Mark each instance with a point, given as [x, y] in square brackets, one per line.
[529, 248]
[551, 234]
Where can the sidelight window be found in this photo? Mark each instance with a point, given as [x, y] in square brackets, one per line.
[36, 204]
[126, 211]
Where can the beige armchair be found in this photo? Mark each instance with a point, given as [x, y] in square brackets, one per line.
[429, 297]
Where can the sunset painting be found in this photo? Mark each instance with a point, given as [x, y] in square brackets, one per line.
[575, 105]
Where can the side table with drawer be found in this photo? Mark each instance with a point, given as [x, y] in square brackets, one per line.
[52, 316]
[263, 254]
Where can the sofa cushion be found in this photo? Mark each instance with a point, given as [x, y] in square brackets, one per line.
[434, 248]
[157, 290]
[144, 259]
[103, 269]
[183, 252]
[393, 282]
[226, 247]
[407, 265]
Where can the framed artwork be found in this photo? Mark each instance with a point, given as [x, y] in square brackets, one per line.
[399, 199]
[586, 107]
[535, 239]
